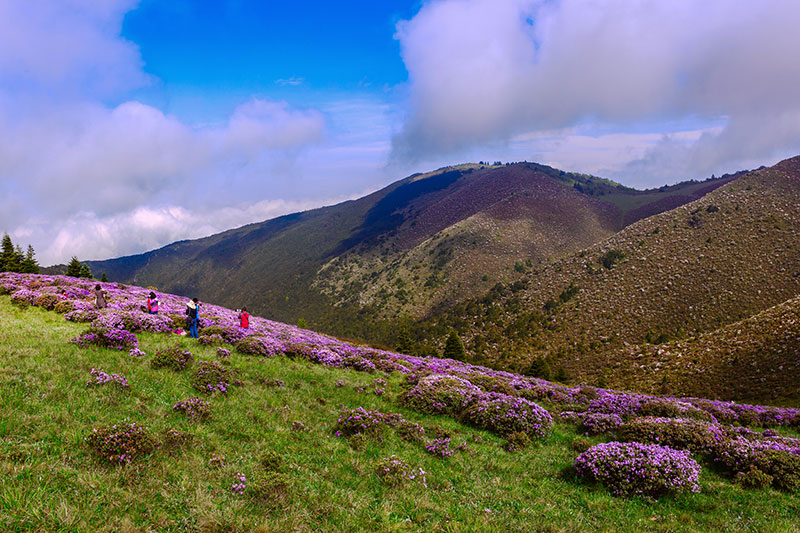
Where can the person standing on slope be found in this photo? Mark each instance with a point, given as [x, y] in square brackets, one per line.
[100, 297]
[152, 304]
[193, 316]
[244, 318]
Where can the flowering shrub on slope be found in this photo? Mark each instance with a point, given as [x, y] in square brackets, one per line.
[441, 394]
[212, 376]
[682, 433]
[504, 415]
[194, 408]
[175, 358]
[121, 443]
[102, 378]
[644, 469]
[117, 339]
[396, 472]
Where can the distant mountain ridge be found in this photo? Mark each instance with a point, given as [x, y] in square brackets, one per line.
[298, 265]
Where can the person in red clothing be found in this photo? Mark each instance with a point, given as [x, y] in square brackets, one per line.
[244, 318]
[152, 304]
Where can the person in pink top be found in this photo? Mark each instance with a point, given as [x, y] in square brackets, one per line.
[152, 304]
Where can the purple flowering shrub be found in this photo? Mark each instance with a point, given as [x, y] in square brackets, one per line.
[194, 408]
[117, 339]
[441, 394]
[639, 469]
[174, 440]
[683, 433]
[82, 315]
[121, 443]
[504, 415]
[63, 307]
[370, 424]
[47, 301]
[777, 459]
[396, 472]
[492, 384]
[136, 352]
[599, 423]
[359, 363]
[24, 298]
[176, 358]
[223, 353]
[441, 447]
[99, 378]
[263, 346]
[211, 340]
[211, 376]
[239, 484]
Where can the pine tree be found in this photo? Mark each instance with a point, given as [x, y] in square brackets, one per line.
[29, 264]
[73, 268]
[85, 272]
[454, 348]
[9, 261]
[404, 343]
[539, 369]
[103, 278]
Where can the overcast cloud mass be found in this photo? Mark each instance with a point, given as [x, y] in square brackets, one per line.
[646, 92]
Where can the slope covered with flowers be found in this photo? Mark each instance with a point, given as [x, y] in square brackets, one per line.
[754, 446]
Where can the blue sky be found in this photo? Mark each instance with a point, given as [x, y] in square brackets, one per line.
[126, 125]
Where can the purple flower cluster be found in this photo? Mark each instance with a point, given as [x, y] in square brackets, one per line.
[223, 353]
[441, 447]
[211, 376]
[503, 414]
[239, 484]
[175, 358]
[116, 339]
[599, 423]
[136, 352]
[397, 472]
[441, 394]
[121, 443]
[633, 468]
[194, 408]
[102, 378]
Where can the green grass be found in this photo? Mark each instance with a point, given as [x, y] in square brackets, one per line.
[50, 481]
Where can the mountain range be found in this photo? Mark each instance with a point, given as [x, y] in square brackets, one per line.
[523, 261]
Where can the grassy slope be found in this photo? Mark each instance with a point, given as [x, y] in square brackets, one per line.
[49, 481]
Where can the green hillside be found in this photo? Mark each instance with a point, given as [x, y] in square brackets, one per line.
[271, 458]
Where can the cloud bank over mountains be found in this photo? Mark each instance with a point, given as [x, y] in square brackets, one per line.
[482, 70]
[647, 92]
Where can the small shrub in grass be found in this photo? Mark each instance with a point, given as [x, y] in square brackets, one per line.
[63, 306]
[492, 384]
[580, 445]
[599, 423]
[517, 441]
[631, 468]
[114, 338]
[194, 408]
[211, 376]
[298, 427]
[273, 383]
[211, 340]
[223, 353]
[754, 479]
[271, 461]
[47, 301]
[215, 462]
[272, 487]
[121, 443]
[262, 346]
[99, 378]
[24, 298]
[441, 448]
[441, 394]
[359, 363]
[396, 472]
[212, 330]
[410, 431]
[504, 415]
[239, 484]
[136, 352]
[359, 421]
[176, 358]
[174, 440]
[81, 315]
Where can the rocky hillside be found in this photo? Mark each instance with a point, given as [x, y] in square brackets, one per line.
[715, 261]
[427, 241]
[758, 357]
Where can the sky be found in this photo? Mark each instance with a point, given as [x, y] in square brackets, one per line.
[126, 125]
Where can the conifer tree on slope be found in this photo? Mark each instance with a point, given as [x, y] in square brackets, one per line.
[73, 268]
[9, 261]
[454, 348]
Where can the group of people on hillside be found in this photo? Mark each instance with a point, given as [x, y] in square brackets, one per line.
[192, 310]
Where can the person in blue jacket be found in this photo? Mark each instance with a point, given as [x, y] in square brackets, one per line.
[193, 316]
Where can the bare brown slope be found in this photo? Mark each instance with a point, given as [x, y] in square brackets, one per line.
[725, 257]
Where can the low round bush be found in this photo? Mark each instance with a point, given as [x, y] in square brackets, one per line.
[683, 433]
[48, 301]
[441, 394]
[632, 468]
[121, 443]
[175, 358]
[504, 415]
[64, 306]
[211, 376]
[599, 423]
[114, 338]
[262, 346]
[774, 458]
[194, 408]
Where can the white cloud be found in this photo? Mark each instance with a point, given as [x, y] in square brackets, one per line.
[484, 70]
